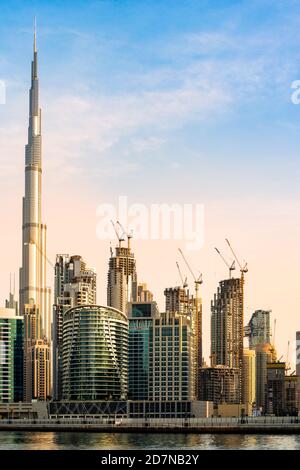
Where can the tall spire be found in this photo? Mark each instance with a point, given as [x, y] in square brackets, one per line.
[34, 70]
[34, 294]
[34, 36]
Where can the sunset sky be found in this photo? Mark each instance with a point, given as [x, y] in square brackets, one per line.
[174, 101]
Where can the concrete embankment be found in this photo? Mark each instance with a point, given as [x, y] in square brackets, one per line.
[87, 427]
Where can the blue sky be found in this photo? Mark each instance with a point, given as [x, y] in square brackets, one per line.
[164, 101]
[192, 80]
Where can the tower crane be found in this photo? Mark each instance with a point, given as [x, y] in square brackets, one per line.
[243, 269]
[197, 281]
[198, 318]
[119, 237]
[183, 281]
[231, 266]
[129, 235]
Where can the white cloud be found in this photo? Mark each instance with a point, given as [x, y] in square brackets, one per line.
[206, 75]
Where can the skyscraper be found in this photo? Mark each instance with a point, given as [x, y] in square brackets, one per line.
[291, 403]
[172, 356]
[34, 295]
[141, 316]
[265, 353]
[11, 356]
[220, 384]
[95, 353]
[227, 325]
[179, 301]
[74, 285]
[36, 357]
[258, 329]
[275, 391]
[249, 377]
[121, 278]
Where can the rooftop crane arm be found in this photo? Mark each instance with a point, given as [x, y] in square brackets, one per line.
[197, 281]
[120, 238]
[230, 267]
[243, 269]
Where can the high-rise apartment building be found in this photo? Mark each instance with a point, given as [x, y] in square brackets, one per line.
[227, 325]
[122, 278]
[275, 391]
[141, 316]
[179, 300]
[291, 402]
[11, 356]
[74, 285]
[37, 370]
[172, 358]
[265, 353]
[249, 377]
[258, 329]
[34, 294]
[220, 384]
[95, 353]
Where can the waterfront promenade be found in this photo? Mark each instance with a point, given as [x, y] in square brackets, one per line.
[247, 425]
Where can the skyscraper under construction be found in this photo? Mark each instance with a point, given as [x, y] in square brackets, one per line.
[122, 277]
[227, 325]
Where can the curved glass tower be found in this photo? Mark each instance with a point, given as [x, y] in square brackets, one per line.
[95, 353]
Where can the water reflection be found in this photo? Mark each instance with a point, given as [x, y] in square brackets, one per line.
[107, 441]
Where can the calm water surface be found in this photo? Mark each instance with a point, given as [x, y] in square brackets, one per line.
[107, 441]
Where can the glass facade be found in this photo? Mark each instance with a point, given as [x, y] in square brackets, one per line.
[142, 310]
[95, 353]
[138, 366]
[11, 357]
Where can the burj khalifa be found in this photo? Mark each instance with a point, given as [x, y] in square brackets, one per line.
[35, 297]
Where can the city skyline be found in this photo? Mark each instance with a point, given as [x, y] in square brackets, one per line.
[63, 204]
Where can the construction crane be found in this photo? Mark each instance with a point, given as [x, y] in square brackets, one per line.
[196, 321]
[119, 237]
[243, 269]
[129, 235]
[183, 281]
[231, 266]
[197, 281]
